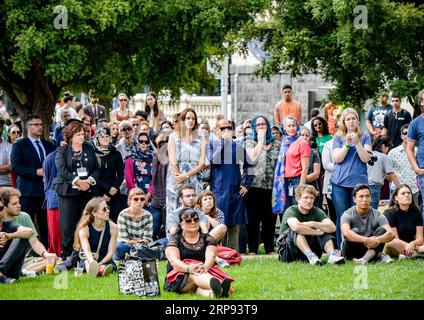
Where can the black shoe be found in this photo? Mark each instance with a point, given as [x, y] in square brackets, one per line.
[6, 280]
[225, 285]
[419, 255]
[216, 287]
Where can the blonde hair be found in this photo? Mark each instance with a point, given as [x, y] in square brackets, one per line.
[135, 192]
[342, 131]
[305, 188]
[87, 218]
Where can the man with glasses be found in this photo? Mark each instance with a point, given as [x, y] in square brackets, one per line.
[135, 224]
[394, 120]
[187, 198]
[13, 247]
[12, 212]
[27, 159]
[5, 167]
[401, 165]
[287, 106]
[416, 137]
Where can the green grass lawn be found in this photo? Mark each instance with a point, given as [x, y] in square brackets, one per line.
[256, 279]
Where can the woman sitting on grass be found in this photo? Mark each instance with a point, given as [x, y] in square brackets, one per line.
[191, 257]
[407, 224]
[94, 227]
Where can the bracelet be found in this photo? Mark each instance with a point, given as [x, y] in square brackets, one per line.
[347, 147]
[42, 254]
[188, 269]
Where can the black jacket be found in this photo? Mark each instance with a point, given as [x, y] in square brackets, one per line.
[111, 172]
[66, 169]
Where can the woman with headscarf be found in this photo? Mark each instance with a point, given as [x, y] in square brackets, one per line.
[138, 167]
[291, 168]
[263, 150]
[111, 171]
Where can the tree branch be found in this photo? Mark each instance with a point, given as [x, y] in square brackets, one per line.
[43, 81]
[11, 94]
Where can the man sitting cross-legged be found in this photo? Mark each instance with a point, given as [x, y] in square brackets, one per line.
[364, 229]
[305, 231]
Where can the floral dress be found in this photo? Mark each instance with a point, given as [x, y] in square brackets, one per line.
[188, 156]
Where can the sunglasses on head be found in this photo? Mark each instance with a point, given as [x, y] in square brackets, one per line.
[126, 129]
[192, 220]
[141, 199]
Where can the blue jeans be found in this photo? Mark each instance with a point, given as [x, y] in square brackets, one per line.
[121, 249]
[342, 199]
[420, 183]
[157, 220]
[293, 182]
[375, 195]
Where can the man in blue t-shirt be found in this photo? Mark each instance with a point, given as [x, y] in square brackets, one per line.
[376, 114]
[13, 247]
[416, 138]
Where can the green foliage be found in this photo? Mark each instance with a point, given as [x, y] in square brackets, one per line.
[256, 279]
[112, 45]
[330, 37]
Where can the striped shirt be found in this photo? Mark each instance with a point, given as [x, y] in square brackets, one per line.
[135, 229]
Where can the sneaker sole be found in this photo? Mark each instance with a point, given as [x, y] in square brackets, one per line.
[93, 269]
[226, 284]
[216, 287]
[108, 271]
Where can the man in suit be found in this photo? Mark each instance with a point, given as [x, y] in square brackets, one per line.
[27, 158]
[95, 110]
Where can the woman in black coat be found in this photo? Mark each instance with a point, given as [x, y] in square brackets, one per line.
[111, 171]
[77, 175]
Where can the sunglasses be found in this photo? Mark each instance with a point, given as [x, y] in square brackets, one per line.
[192, 220]
[127, 129]
[226, 128]
[143, 141]
[15, 132]
[122, 99]
[135, 125]
[318, 124]
[105, 209]
[139, 199]
[405, 133]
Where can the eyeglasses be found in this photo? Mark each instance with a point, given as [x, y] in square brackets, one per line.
[139, 199]
[36, 124]
[317, 124]
[122, 99]
[192, 220]
[143, 141]
[226, 128]
[126, 129]
[260, 125]
[15, 132]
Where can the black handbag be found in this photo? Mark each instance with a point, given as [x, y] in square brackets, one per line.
[146, 252]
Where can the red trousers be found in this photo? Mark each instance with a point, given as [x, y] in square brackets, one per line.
[53, 226]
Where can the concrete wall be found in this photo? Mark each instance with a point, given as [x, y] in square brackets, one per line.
[251, 94]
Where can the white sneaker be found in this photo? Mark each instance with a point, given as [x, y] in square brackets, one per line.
[335, 259]
[386, 259]
[315, 261]
[402, 257]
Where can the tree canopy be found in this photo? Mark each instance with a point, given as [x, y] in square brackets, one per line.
[361, 46]
[110, 45]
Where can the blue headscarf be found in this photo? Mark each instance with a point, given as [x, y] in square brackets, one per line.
[268, 137]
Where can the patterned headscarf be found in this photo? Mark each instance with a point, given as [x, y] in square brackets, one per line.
[101, 151]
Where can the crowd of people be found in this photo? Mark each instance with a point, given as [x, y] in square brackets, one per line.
[100, 188]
